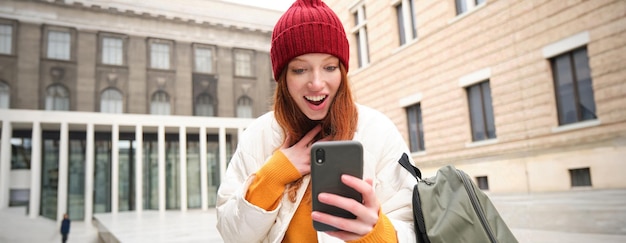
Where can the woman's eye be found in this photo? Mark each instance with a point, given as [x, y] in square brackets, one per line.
[331, 68]
[298, 70]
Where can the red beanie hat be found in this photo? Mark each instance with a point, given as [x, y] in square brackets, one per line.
[308, 26]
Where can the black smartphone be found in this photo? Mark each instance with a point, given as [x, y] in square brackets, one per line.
[329, 160]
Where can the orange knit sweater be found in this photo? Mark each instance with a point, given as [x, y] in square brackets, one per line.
[268, 187]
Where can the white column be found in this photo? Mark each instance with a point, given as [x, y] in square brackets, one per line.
[161, 138]
[239, 133]
[89, 169]
[5, 163]
[35, 171]
[139, 168]
[63, 172]
[204, 182]
[222, 141]
[115, 168]
[182, 142]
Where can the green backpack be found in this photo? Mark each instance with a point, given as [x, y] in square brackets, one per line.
[450, 208]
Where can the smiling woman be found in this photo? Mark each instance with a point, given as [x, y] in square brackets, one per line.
[266, 195]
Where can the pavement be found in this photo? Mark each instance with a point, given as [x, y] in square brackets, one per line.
[574, 216]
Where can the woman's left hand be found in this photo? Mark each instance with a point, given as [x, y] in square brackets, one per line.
[366, 213]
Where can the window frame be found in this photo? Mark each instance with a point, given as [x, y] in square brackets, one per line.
[359, 31]
[576, 181]
[101, 47]
[239, 104]
[57, 99]
[46, 43]
[482, 182]
[112, 103]
[416, 134]
[13, 38]
[470, 5]
[251, 63]
[25, 142]
[407, 33]
[171, 53]
[168, 101]
[211, 104]
[576, 90]
[484, 110]
[212, 48]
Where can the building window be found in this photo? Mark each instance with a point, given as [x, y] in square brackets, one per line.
[580, 177]
[159, 55]
[243, 63]
[6, 38]
[19, 197]
[573, 87]
[481, 111]
[462, 6]
[203, 59]
[21, 147]
[407, 27]
[483, 182]
[416, 130]
[59, 45]
[5, 96]
[244, 107]
[204, 105]
[160, 103]
[360, 33]
[111, 101]
[57, 98]
[112, 50]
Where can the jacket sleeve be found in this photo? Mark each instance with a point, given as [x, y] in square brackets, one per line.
[237, 219]
[395, 185]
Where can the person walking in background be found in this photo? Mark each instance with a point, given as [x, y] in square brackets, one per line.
[265, 195]
[65, 227]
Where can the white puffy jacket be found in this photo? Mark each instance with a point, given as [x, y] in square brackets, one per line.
[240, 221]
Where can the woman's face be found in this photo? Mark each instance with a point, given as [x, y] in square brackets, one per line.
[312, 81]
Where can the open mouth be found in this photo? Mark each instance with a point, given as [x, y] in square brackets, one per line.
[316, 100]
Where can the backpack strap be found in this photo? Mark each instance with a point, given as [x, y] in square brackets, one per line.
[418, 215]
[404, 161]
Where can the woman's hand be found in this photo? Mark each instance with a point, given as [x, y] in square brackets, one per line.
[366, 213]
[300, 153]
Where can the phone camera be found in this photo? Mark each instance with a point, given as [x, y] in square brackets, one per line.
[320, 156]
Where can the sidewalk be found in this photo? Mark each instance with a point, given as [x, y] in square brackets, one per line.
[577, 216]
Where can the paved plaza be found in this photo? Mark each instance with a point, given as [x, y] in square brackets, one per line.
[576, 216]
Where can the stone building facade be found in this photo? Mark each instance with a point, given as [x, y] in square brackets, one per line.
[525, 96]
[111, 106]
[88, 47]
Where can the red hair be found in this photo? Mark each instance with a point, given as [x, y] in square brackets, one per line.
[339, 124]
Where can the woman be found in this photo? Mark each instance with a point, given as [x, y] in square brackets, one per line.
[265, 195]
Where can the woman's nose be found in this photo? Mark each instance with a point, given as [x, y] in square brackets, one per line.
[316, 82]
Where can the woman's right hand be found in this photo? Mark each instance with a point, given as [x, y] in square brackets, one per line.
[300, 153]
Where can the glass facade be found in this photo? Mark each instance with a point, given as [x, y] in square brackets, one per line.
[126, 159]
[102, 173]
[172, 171]
[76, 176]
[213, 165]
[21, 150]
[103, 197]
[150, 172]
[194, 197]
[49, 174]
